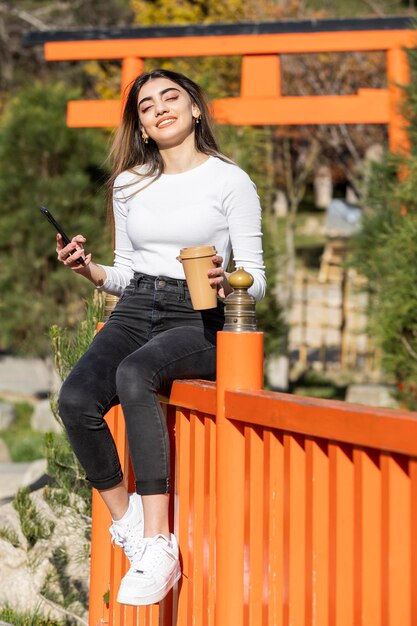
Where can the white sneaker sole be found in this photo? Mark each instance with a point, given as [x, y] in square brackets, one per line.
[127, 598]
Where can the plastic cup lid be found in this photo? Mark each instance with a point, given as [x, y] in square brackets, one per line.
[195, 252]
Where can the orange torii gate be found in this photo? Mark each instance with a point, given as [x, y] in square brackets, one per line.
[260, 45]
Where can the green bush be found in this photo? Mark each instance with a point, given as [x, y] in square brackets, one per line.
[42, 161]
[24, 443]
[59, 586]
[318, 385]
[68, 476]
[69, 346]
[32, 523]
[26, 619]
[10, 535]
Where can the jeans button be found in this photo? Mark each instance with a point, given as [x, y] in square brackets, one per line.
[162, 283]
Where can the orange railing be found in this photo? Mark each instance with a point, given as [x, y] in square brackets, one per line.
[288, 510]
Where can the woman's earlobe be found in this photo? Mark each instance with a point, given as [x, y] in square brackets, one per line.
[144, 136]
[196, 114]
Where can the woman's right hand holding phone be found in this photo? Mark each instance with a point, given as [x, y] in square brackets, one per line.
[71, 254]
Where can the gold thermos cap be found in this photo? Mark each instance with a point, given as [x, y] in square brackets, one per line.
[109, 304]
[240, 305]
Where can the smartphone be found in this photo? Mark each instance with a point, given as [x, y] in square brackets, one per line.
[66, 240]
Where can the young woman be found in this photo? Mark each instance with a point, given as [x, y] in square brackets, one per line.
[171, 188]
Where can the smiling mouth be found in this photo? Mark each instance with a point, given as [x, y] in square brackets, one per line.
[166, 122]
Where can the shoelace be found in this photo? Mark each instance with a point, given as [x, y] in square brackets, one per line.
[126, 538]
[147, 559]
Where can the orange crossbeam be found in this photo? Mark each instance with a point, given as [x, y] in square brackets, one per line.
[386, 429]
[93, 113]
[293, 43]
[370, 106]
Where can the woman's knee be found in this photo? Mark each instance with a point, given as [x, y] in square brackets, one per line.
[75, 402]
[133, 377]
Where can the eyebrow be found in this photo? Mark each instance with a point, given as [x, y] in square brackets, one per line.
[161, 93]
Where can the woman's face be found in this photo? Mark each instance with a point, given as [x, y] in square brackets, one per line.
[166, 113]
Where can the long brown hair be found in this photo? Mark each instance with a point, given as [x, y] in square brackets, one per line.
[130, 151]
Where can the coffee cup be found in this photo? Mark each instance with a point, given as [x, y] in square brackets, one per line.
[196, 261]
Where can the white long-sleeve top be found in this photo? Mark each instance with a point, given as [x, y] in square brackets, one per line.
[215, 203]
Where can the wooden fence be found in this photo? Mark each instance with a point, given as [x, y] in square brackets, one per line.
[288, 510]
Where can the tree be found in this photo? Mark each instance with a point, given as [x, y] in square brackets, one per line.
[206, 11]
[298, 166]
[44, 162]
[19, 16]
[300, 150]
[385, 252]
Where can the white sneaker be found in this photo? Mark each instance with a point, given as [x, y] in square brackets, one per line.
[154, 571]
[129, 534]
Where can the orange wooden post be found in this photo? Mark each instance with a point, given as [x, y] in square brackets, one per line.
[131, 68]
[396, 537]
[100, 562]
[274, 528]
[317, 524]
[294, 530]
[261, 76]
[100, 554]
[341, 540]
[239, 366]
[398, 75]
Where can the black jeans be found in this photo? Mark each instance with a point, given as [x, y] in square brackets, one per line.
[153, 337]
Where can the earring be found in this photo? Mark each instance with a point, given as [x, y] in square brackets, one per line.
[144, 138]
[198, 119]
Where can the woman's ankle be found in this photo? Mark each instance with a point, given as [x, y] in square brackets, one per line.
[155, 509]
[116, 500]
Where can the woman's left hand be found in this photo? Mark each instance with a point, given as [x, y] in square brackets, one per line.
[218, 278]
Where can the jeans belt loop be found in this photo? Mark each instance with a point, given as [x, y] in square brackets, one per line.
[139, 279]
[181, 289]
